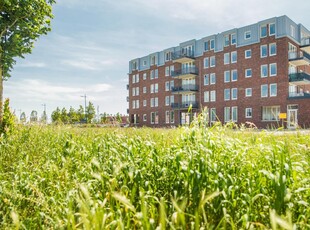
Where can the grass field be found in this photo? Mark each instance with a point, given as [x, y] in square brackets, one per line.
[61, 177]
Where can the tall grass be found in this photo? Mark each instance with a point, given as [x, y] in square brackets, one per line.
[185, 178]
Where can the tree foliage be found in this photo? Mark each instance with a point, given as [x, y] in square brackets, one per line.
[22, 23]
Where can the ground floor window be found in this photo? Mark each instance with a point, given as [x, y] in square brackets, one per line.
[154, 118]
[227, 114]
[248, 112]
[144, 117]
[270, 113]
[213, 114]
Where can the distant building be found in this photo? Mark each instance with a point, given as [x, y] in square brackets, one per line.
[257, 73]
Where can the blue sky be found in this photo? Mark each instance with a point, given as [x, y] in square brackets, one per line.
[92, 41]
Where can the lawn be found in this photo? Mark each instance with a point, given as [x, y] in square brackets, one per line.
[62, 177]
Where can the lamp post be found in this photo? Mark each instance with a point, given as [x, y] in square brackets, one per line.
[85, 107]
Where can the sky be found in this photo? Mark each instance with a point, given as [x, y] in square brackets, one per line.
[92, 41]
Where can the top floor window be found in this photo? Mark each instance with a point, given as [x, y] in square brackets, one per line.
[206, 44]
[134, 65]
[153, 60]
[263, 31]
[226, 40]
[272, 29]
[168, 56]
[247, 35]
[212, 44]
[233, 39]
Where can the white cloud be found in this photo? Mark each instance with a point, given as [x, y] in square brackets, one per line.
[32, 65]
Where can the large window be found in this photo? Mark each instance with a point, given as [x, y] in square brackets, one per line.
[263, 31]
[234, 114]
[264, 90]
[272, 49]
[234, 94]
[212, 61]
[206, 62]
[234, 75]
[264, 70]
[248, 112]
[206, 96]
[227, 76]
[206, 79]
[226, 94]
[226, 58]
[272, 29]
[263, 51]
[227, 114]
[273, 90]
[212, 78]
[273, 69]
[167, 117]
[234, 57]
[271, 113]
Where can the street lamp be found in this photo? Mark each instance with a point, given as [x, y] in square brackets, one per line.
[85, 107]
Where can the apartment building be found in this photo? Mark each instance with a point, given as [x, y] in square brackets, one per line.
[259, 73]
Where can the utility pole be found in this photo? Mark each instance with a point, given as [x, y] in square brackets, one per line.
[85, 107]
[44, 112]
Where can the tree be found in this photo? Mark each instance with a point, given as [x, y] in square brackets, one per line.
[64, 116]
[56, 115]
[22, 23]
[104, 118]
[90, 112]
[73, 116]
[34, 116]
[80, 114]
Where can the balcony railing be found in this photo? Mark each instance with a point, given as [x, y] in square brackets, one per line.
[185, 88]
[185, 105]
[183, 54]
[299, 59]
[296, 95]
[299, 77]
[305, 41]
[185, 71]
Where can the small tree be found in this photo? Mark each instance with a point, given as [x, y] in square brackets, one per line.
[90, 112]
[34, 116]
[22, 117]
[56, 115]
[8, 123]
[104, 118]
[73, 116]
[64, 116]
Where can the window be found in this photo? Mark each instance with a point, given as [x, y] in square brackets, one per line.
[264, 90]
[226, 94]
[248, 54]
[206, 79]
[152, 102]
[213, 95]
[206, 44]
[171, 117]
[226, 40]
[233, 39]
[213, 114]
[156, 88]
[273, 90]
[171, 99]
[144, 117]
[212, 78]
[247, 35]
[206, 62]
[156, 101]
[292, 31]
[152, 118]
[167, 100]
[273, 69]
[144, 103]
[168, 56]
[144, 76]
[212, 44]
[227, 114]
[134, 65]
[137, 91]
[171, 85]
[167, 117]
[167, 86]
[144, 89]
[264, 70]
[234, 75]
[234, 114]
[137, 104]
[156, 73]
[133, 104]
[234, 94]
[248, 112]
[271, 113]
[152, 74]
[134, 78]
[227, 76]
[171, 70]
[212, 61]
[206, 96]
[167, 71]
[144, 63]
[234, 57]
[272, 29]
[152, 88]
[248, 73]
[248, 92]
[153, 60]
[263, 51]
[226, 58]
[272, 49]
[263, 31]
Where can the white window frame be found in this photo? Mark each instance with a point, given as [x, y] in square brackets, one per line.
[246, 52]
[206, 96]
[246, 73]
[234, 109]
[265, 86]
[270, 49]
[270, 90]
[212, 61]
[233, 41]
[261, 27]
[234, 57]
[226, 58]
[212, 96]
[274, 111]
[263, 48]
[233, 74]
[226, 40]
[248, 92]
[246, 112]
[212, 44]
[144, 76]
[227, 117]
[226, 76]
[226, 94]
[206, 62]
[234, 91]
[271, 34]
[206, 79]
[247, 35]
[270, 69]
[212, 79]
[262, 72]
[167, 86]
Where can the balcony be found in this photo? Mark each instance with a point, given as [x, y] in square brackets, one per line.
[299, 60]
[185, 88]
[183, 56]
[300, 95]
[299, 78]
[189, 73]
[305, 45]
[185, 105]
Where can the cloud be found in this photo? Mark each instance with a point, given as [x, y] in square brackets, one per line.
[33, 65]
